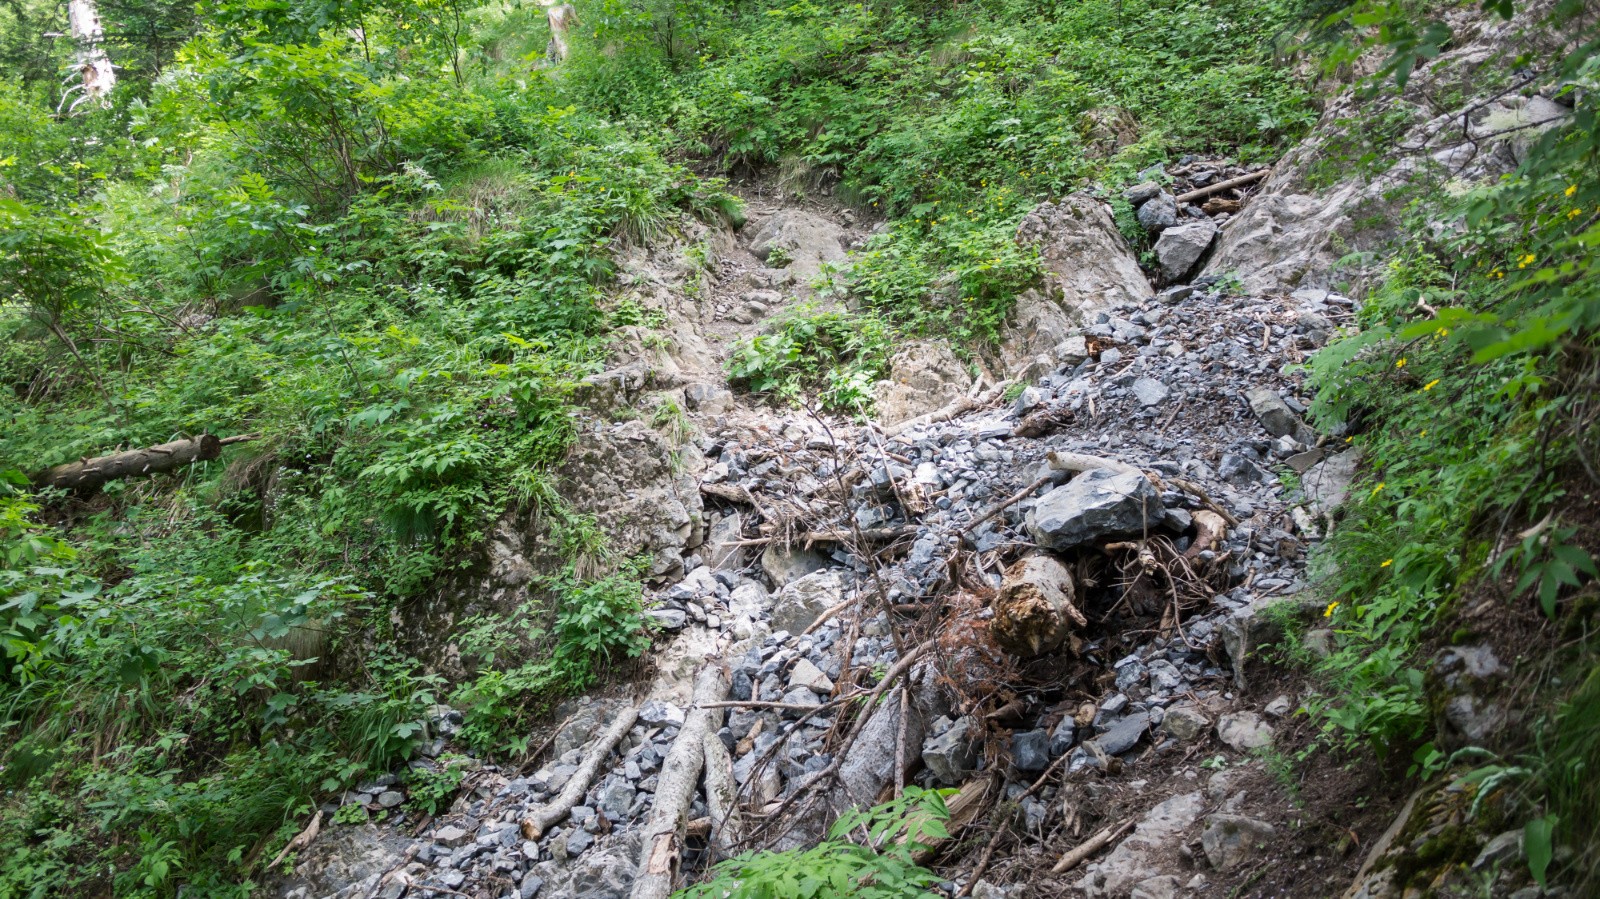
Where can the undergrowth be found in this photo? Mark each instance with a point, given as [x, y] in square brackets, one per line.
[1469, 386]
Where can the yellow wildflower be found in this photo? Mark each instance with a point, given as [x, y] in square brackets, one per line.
[1386, 563]
[1571, 189]
[1401, 363]
[1380, 486]
[1424, 433]
[1328, 612]
[1526, 260]
[1431, 384]
[1574, 213]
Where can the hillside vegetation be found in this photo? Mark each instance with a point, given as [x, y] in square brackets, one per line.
[377, 242]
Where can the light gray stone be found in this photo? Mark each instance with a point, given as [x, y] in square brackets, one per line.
[952, 754]
[804, 240]
[1185, 722]
[1276, 416]
[1149, 391]
[807, 675]
[1327, 483]
[1180, 247]
[1230, 840]
[786, 565]
[1135, 860]
[924, 376]
[1244, 731]
[798, 605]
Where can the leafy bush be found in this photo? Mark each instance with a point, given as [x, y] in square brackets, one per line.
[831, 358]
[1468, 387]
[883, 868]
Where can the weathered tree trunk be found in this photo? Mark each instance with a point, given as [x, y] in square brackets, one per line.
[561, 17]
[90, 474]
[680, 775]
[93, 64]
[540, 819]
[722, 796]
[1034, 612]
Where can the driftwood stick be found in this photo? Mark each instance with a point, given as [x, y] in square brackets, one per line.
[539, 820]
[833, 535]
[1090, 846]
[1221, 186]
[1081, 462]
[301, 840]
[665, 829]
[1196, 491]
[828, 613]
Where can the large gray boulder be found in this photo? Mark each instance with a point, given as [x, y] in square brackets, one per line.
[1098, 503]
[1328, 482]
[804, 241]
[1039, 337]
[1315, 210]
[785, 564]
[924, 376]
[1089, 263]
[798, 605]
[1180, 248]
[1142, 854]
[1089, 267]
[626, 476]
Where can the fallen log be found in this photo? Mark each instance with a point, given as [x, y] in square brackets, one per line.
[539, 820]
[722, 797]
[1221, 186]
[1090, 846]
[1077, 463]
[665, 830]
[91, 474]
[1034, 612]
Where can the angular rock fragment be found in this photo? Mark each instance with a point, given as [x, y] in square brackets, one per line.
[1181, 247]
[1098, 503]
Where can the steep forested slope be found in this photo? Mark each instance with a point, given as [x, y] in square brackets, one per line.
[394, 255]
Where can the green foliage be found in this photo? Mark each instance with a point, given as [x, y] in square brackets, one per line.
[883, 868]
[352, 232]
[830, 358]
[431, 788]
[557, 644]
[955, 120]
[1467, 385]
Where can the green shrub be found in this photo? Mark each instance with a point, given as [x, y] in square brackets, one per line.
[838, 868]
[830, 358]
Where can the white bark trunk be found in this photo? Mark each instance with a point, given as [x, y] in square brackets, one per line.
[94, 67]
[722, 797]
[561, 17]
[680, 775]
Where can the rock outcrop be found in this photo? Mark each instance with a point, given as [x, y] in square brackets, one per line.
[1321, 204]
[1089, 266]
[924, 376]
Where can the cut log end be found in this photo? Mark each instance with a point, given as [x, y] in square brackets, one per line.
[1034, 612]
